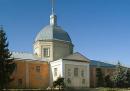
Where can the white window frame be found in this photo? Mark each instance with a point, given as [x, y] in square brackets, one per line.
[82, 73]
[46, 52]
[76, 72]
[55, 71]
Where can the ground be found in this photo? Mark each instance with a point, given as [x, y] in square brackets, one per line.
[87, 89]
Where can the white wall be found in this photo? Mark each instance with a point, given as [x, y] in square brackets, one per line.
[76, 81]
[64, 65]
[55, 64]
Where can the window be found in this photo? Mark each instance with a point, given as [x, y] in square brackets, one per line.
[75, 71]
[68, 81]
[55, 71]
[69, 72]
[83, 81]
[19, 82]
[46, 52]
[82, 73]
[37, 68]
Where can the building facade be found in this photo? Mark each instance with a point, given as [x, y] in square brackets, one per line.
[30, 74]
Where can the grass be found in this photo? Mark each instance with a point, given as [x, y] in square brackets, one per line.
[113, 89]
[87, 89]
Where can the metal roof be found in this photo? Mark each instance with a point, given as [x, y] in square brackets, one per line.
[51, 32]
[25, 56]
[94, 63]
[73, 57]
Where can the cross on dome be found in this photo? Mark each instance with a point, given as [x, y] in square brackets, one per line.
[53, 17]
[52, 3]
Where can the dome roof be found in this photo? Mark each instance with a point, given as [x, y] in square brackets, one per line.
[51, 32]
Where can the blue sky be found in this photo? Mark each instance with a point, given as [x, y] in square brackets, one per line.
[99, 29]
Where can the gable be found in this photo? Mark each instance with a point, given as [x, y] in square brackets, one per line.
[77, 57]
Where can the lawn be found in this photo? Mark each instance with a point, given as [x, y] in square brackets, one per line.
[113, 89]
[85, 89]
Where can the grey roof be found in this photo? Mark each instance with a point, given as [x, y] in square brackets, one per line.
[73, 57]
[53, 33]
[25, 55]
[77, 57]
[94, 63]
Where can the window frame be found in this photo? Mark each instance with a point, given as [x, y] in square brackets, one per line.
[46, 52]
[55, 72]
[76, 72]
[68, 80]
[38, 68]
[69, 72]
[82, 73]
[83, 81]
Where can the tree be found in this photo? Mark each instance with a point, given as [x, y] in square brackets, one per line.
[7, 64]
[119, 77]
[99, 76]
[128, 78]
[59, 82]
[107, 80]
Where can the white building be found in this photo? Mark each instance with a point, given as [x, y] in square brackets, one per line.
[73, 68]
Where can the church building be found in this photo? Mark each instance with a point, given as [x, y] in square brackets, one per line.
[53, 57]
